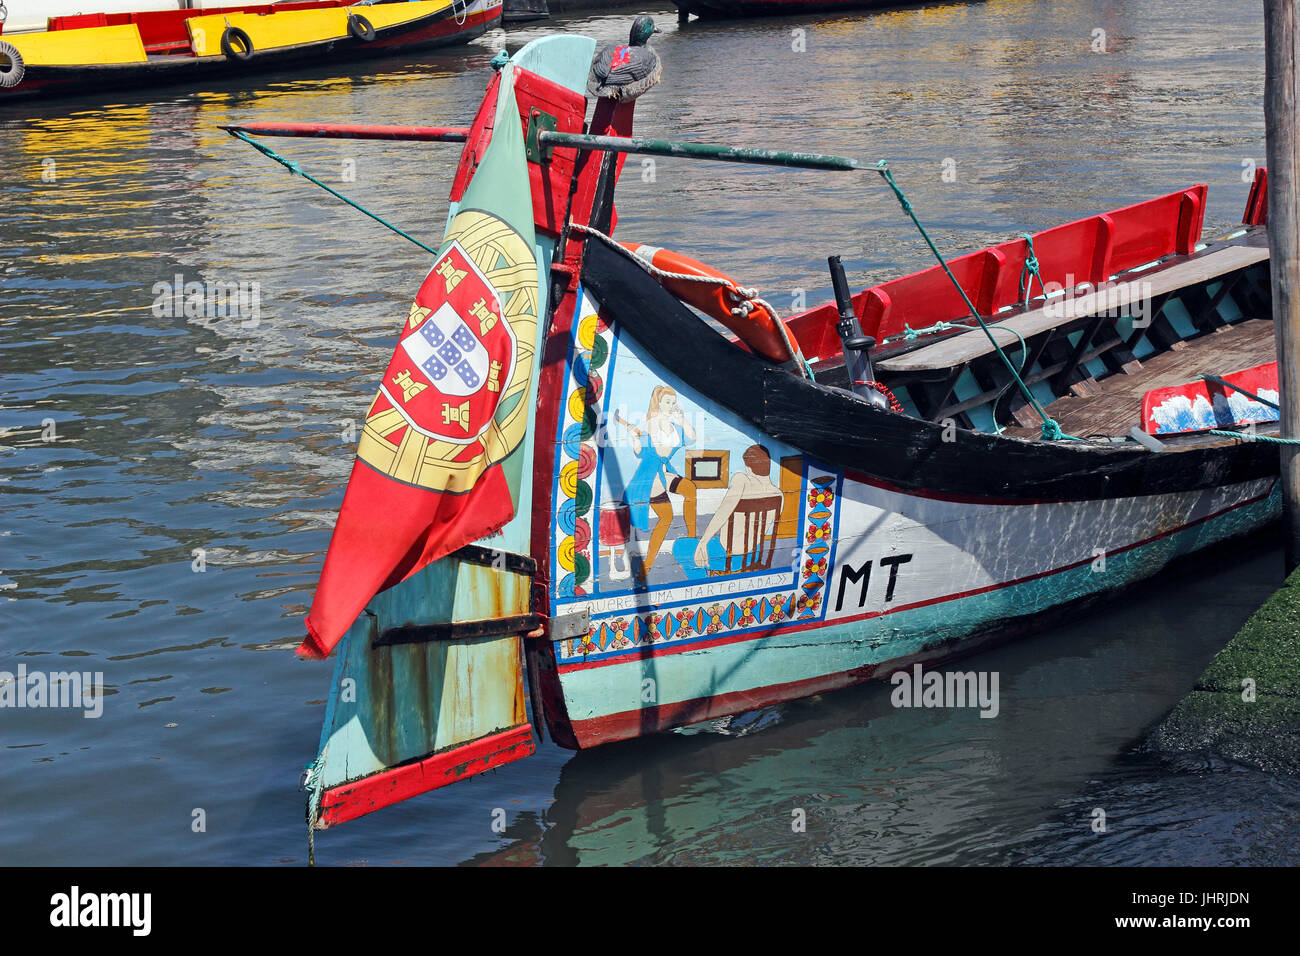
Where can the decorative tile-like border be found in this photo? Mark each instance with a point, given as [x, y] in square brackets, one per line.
[819, 539]
[577, 456]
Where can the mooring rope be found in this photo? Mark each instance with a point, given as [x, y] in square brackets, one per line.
[744, 297]
[1247, 436]
[1051, 430]
[311, 783]
[1029, 272]
[295, 168]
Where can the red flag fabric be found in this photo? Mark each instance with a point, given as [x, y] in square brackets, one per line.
[451, 406]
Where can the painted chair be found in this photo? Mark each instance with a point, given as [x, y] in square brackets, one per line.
[760, 517]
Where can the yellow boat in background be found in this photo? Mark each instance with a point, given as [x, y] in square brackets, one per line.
[101, 51]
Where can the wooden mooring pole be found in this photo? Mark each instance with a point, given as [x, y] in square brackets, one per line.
[1280, 93]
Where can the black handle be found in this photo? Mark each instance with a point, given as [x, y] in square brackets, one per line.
[857, 347]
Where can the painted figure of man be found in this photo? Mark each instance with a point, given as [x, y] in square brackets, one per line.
[750, 491]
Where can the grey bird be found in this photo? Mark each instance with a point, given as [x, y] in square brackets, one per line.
[625, 72]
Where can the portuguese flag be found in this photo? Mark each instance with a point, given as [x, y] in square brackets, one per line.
[439, 459]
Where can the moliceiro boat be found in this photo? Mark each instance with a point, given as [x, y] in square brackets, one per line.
[195, 42]
[573, 488]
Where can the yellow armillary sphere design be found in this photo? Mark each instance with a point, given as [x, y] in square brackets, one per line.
[454, 399]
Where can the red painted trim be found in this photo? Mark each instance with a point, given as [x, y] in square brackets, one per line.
[351, 800]
[480, 134]
[663, 651]
[608, 118]
[424, 134]
[636, 723]
[1256, 213]
[660, 717]
[550, 181]
[1117, 240]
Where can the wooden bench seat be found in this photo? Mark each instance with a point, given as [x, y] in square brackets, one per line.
[961, 349]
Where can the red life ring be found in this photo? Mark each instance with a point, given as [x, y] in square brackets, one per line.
[760, 329]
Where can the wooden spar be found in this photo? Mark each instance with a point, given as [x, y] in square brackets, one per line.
[1283, 224]
[725, 154]
[607, 144]
[422, 134]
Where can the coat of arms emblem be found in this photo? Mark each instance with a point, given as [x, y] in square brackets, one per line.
[451, 402]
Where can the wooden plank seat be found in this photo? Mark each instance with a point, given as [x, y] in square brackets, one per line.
[961, 349]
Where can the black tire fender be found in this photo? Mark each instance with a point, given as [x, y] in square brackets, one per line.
[359, 27]
[233, 35]
[12, 68]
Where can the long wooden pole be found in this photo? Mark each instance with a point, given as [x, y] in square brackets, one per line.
[722, 154]
[1284, 245]
[608, 144]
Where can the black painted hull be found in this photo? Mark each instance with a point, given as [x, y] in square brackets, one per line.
[849, 433]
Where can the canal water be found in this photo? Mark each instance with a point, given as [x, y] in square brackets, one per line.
[168, 481]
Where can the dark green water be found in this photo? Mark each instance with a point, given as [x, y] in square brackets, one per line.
[179, 433]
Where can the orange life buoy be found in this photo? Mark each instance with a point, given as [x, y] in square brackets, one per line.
[758, 327]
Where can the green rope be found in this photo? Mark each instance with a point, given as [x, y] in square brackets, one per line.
[1029, 272]
[1247, 436]
[295, 168]
[1237, 388]
[1051, 429]
[909, 334]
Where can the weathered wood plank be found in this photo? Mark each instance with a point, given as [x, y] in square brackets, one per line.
[1117, 403]
[968, 346]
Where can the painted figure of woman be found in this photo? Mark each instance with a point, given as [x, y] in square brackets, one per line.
[666, 432]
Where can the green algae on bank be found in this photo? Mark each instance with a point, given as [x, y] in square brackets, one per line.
[1246, 706]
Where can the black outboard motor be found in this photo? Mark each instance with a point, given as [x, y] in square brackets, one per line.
[857, 347]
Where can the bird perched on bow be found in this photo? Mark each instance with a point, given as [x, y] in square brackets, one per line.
[625, 72]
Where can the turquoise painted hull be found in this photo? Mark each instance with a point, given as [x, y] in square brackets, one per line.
[784, 666]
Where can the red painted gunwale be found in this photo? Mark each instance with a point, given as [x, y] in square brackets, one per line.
[1086, 250]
